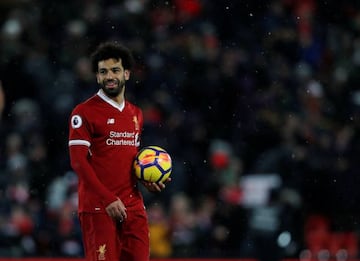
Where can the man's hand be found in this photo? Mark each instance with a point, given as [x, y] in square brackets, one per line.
[117, 210]
[155, 186]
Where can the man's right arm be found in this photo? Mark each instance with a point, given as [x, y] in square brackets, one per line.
[80, 164]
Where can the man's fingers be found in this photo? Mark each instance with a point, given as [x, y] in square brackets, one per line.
[123, 214]
[117, 210]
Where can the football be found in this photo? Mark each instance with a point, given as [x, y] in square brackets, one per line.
[152, 164]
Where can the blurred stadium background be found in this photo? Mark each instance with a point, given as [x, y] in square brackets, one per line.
[258, 103]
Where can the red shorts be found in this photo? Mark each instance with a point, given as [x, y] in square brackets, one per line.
[105, 239]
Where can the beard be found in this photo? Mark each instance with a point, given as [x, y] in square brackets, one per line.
[115, 89]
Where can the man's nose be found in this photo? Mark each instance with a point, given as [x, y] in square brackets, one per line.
[109, 75]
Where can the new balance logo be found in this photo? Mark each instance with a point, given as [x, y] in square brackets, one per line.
[111, 121]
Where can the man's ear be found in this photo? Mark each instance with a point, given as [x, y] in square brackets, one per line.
[127, 74]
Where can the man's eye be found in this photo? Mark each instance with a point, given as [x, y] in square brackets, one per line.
[102, 71]
[116, 70]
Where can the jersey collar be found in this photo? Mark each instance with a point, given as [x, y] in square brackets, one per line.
[102, 95]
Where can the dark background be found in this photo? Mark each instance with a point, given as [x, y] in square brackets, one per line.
[259, 91]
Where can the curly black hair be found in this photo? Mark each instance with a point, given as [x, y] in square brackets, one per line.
[112, 50]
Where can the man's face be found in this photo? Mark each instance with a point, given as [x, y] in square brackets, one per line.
[112, 77]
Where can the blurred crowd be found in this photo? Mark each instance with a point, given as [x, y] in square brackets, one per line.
[258, 103]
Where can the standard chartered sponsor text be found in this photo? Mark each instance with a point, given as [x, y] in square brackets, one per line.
[123, 134]
[123, 138]
[120, 142]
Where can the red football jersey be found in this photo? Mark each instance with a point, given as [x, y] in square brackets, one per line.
[103, 141]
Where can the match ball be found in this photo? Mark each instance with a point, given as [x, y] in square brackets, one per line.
[152, 164]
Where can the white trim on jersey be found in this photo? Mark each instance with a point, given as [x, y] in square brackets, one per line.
[79, 142]
[120, 107]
